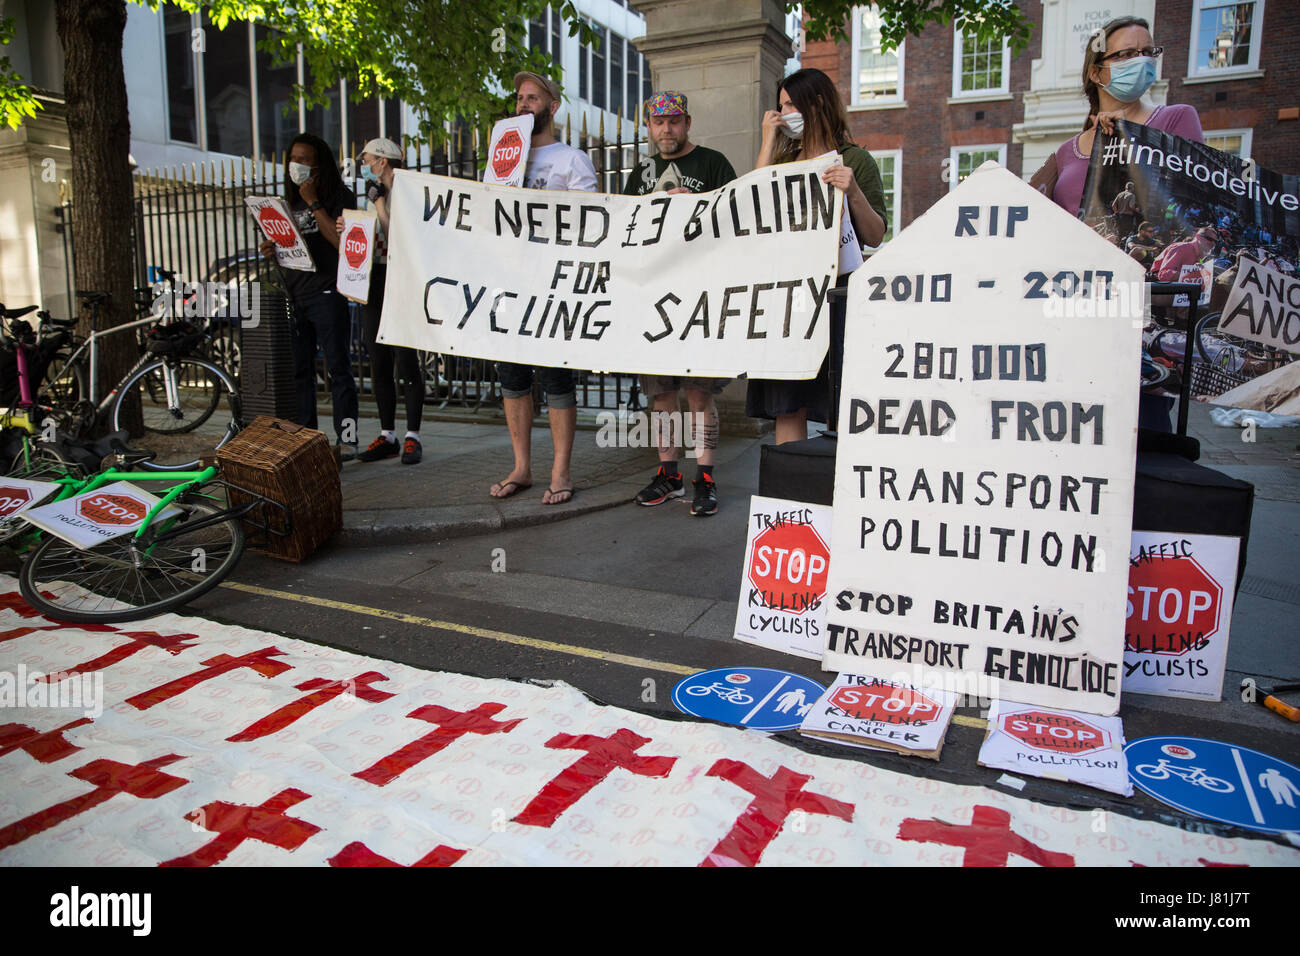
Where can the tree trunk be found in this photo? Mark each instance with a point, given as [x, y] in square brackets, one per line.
[99, 132]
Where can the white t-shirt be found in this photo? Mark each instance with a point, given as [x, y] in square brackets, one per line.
[559, 166]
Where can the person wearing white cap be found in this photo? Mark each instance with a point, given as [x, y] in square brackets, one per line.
[551, 165]
[379, 158]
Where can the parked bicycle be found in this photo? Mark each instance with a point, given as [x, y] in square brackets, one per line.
[177, 390]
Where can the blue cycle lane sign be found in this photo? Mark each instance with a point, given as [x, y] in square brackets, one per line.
[1218, 781]
[756, 697]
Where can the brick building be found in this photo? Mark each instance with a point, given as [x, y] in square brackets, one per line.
[943, 104]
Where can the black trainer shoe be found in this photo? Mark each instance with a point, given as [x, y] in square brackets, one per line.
[706, 497]
[412, 451]
[663, 487]
[379, 449]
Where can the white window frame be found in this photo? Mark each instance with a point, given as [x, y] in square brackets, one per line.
[1000, 92]
[1197, 70]
[200, 104]
[896, 155]
[1247, 135]
[955, 151]
[855, 88]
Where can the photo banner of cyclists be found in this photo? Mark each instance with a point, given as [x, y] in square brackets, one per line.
[1188, 212]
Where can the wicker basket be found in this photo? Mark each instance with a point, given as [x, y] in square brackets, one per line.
[1212, 381]
[294, 466]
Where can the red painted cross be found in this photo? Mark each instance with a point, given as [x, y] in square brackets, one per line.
[234, 823]
[322, 691]
[46, 747]
[452, 725]
[110, 778]
[171, 643]
[604, 755]
[13, 601]
[259, 661]
[988, 841]
[775, 798]
[358, 854]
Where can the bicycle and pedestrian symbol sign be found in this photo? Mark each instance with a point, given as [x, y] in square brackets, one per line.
[1218, 781]
[756, 697]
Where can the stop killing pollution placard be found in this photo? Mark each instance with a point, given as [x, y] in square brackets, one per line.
[984, 479]
[356, 253]
[273, 219]
[879, 714]
[1058, 745]
[783, 587]
[508, 150]
[1179, 610]
[94, 517]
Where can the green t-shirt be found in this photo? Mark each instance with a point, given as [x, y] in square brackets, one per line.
[700, 170]
[867, 173]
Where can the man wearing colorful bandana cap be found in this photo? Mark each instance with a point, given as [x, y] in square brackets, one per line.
[680, 166]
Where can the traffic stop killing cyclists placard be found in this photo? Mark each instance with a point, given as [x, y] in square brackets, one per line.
[704, 284]
[984, 480]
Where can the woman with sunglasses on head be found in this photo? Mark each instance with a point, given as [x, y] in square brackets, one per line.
[811, 121]
[1119, 66]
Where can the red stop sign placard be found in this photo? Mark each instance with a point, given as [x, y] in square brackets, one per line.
[887, 703]
[11, 499]
[1173, 606]
[509, 148]
[788, 565]
[1058, 733]
[354, 247]
[276, 226]
[113, 509]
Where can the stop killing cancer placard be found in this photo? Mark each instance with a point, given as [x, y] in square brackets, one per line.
[783, 589]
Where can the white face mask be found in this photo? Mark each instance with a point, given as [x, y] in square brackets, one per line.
[793, 123]
[299, 173]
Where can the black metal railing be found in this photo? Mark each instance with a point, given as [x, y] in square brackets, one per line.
[192, 221]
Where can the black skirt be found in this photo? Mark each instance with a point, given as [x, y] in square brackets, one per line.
[768, 398]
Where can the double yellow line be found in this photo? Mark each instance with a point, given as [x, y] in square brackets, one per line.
[504, 637]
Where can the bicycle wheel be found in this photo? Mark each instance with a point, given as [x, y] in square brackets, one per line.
[122, 581]
[64, 385]
[203, 417]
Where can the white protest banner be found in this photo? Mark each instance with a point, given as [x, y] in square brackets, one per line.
[356, 254]
[277, 225]
[709, 284]
[783, 592]
[1058, 745]
[1179, 610]
[984, 476]
[19, 494]
[881, 715]
[94, 517]
[1263, 306]
[508, 150]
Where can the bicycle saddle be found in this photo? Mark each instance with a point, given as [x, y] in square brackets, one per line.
[15, 313]
[92, 297]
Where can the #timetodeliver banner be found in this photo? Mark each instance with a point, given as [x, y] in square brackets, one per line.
[709, 284]
[984, 478]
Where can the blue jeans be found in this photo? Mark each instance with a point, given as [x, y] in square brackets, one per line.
[323, 318]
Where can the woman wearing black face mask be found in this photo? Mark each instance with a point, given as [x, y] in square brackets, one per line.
[810, 122]
[316, 197]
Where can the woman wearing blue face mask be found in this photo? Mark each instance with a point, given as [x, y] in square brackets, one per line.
[316, 197]
[1117, 73]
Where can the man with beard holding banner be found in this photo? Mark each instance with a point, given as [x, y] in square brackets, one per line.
[680, 167]
[551, 165]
